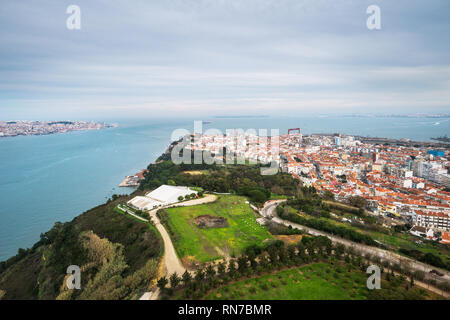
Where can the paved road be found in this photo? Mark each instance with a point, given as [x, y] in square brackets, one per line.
[268, 211]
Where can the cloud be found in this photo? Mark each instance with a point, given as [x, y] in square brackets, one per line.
[259, 56]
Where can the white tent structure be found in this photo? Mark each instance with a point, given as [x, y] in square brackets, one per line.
[142, 203]
[162, 196]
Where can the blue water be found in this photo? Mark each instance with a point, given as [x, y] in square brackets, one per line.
[44, 179]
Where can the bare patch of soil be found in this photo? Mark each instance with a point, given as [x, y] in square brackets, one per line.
[208, 221]
[289, 239]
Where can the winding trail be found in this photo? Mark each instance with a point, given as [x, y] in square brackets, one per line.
[171, 261]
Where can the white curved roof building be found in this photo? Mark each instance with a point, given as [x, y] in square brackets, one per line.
[162, 196]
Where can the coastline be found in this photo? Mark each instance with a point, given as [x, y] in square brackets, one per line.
[106, 126]
[85, 201]
[60, 176]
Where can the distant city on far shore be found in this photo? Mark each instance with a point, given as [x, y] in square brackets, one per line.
[33, 128]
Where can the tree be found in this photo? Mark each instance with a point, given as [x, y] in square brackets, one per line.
[162, 283]
[232, 268]
[301, 251]
[170, 182]
[283, 254]
[257, 196]
[210, 272]
[187, 197]
[199, 276]
[291, 253]
[263, 262]
[242, 264]
[221, 269]
[328, 195]
[174, 280]
[357, 201]
[340, 249]
[180, 198]
[433, 259]
[273, 255]
[186, 277]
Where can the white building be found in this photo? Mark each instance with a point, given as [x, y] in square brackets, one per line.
[433, 171]
[436, 220]
[407, 183]
[162, 196]
[443, 179]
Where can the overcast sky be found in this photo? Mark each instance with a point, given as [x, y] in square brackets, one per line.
[188, 57]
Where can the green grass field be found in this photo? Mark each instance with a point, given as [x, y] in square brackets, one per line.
[274, 196]
[195, 244]
[317, 281]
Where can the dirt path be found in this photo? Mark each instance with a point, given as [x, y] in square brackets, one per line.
[171, 261]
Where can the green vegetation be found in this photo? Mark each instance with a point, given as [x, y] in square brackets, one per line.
[274, 196]
[206, 244]
[280, 229]
[255, 194]
[123, 208]
[357, 201]
[314, 212]
[324, 225]
[311, 269]
[221, 178]
[317, 281]
[427, 251]
[118, 255]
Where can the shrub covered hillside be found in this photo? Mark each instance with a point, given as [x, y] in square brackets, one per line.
[118, 256]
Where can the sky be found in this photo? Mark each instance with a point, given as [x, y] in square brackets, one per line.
[175, 58]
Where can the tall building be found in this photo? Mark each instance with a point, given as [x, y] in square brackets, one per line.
[375, 157]
[337, 141]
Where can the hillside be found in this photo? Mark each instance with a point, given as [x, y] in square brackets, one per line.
[117, 254]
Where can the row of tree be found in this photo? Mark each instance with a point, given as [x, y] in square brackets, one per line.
[255, 261]
[189, 196]
[327, 226]
[276, 256]
[312, 206]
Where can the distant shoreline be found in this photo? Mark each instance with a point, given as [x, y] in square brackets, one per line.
[12, 129]
[242, 117]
